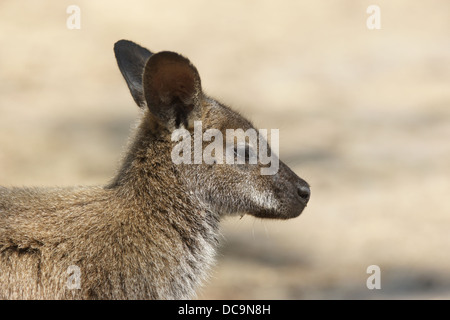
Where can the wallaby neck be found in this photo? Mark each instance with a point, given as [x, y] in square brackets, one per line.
[185, 229]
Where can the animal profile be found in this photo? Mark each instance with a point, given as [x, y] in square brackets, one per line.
[151, 232]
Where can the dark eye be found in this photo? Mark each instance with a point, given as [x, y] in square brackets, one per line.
[239, 150]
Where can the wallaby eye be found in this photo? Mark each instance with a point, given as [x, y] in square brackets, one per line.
[243, 152]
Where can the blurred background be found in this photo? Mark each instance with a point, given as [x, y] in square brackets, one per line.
[364, 117]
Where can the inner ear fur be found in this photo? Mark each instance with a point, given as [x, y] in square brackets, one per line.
[172, 88]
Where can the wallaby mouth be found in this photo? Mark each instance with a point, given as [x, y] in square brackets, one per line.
[292, 194]
[291, 206]
[302, 197]
[290, 213]
[298, 201]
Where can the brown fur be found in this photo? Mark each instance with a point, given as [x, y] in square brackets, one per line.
[151, 232]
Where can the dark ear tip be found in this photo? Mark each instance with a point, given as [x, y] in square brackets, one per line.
[119, 42]
[122, 44]
[131, 59]
[129, 48]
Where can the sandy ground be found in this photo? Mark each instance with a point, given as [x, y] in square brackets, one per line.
[364, 117]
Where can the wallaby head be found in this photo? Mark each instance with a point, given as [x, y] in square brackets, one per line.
[220, 146]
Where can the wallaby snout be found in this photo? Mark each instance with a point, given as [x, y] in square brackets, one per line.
[303, 194]
[291, 192]
[150, 233]
[303, 191]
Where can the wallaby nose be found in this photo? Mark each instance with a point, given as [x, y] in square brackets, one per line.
[304, 192]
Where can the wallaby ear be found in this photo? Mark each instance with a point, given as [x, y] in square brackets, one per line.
[172, 88]
[131, 59]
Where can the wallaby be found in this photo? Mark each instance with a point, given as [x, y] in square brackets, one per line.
[150, 233]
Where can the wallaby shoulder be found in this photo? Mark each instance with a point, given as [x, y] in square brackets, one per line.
[124, 247]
